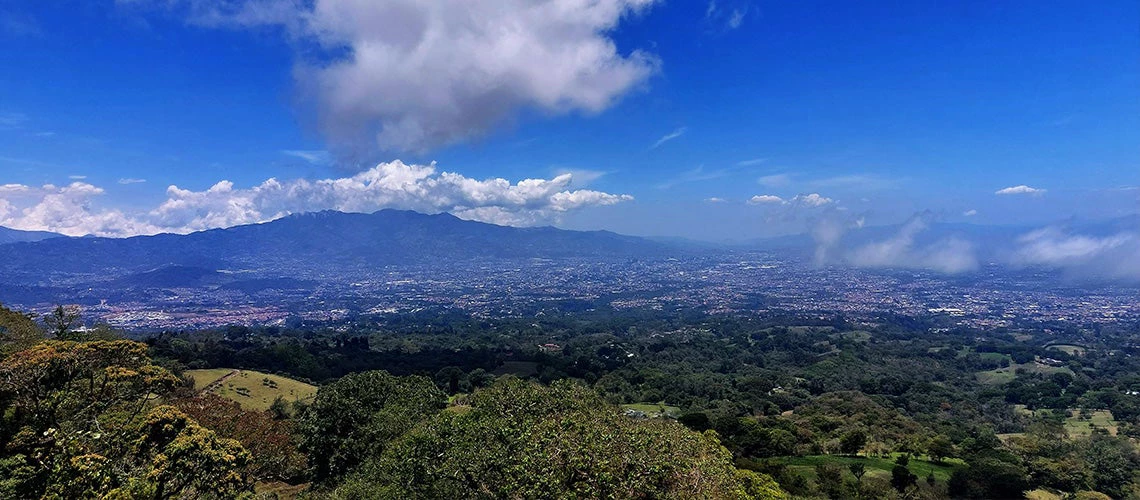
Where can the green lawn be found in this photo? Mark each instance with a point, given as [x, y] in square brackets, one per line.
[1070, 349]
[655, 409]
[875, 466]
[1102, 419]
[253, 390]
[1005, 375]
[1075, 426]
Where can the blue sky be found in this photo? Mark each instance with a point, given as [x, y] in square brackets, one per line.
[880, 109]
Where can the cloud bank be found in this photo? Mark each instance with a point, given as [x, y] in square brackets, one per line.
[410, 76]
[73, 209]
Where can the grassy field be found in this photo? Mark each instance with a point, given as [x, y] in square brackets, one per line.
[1005, 375]
[655, 409]
[881, 467]
[1070, 349]
[1100, 418]
[1075, 426]
[253, 390]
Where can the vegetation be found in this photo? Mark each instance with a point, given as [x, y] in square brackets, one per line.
[563, 406]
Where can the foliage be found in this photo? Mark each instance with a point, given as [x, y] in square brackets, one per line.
[269, 440]
[522, 440]
[185, 459]
[354, 419]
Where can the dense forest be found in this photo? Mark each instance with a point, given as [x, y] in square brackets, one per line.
[638, 404]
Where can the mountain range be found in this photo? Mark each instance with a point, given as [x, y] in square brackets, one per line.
[320, 239]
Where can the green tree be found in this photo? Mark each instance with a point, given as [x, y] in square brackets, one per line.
[522, 440]
[902, 478]
[17, 331]
[858, 470]
[355, 418]
[853, 442]
[940, 448]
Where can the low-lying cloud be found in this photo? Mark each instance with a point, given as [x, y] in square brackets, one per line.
[1113, 257]
[901, 251]
[74, 210]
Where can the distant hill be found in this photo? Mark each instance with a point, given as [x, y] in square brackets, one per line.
[16, 236]
[323, 239]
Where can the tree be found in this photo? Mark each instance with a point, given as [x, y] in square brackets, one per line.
[186, 459]
[273, 454]
[902, 478]
[518, 439]
[279, 409]
[356, 417]
[830, 478]
[61, 320]
[858, 470]
[17, 331]
[940, 447]
[852, 442]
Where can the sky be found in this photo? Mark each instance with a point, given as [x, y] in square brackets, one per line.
[721, 121]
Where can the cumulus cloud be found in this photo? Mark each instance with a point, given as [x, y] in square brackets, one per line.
[668, 137]
[404, 75]
[811, 200]
[970, 213]
[73, 209]
[766, 199]
[1022, 189]
[950, 255]
[1115, 256]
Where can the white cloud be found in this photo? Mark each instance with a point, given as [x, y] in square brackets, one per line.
[1115, 256]
[900, 251]
[1022, 189]
[581, 177]
[725, 18]
[413, 76]
[73, 209]
[751, 162]
[77, 177]
[970, 213]
[668, 137]
[130, 180]
[714, 199]
[765, 199]
[315, 157]
[811, 200]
